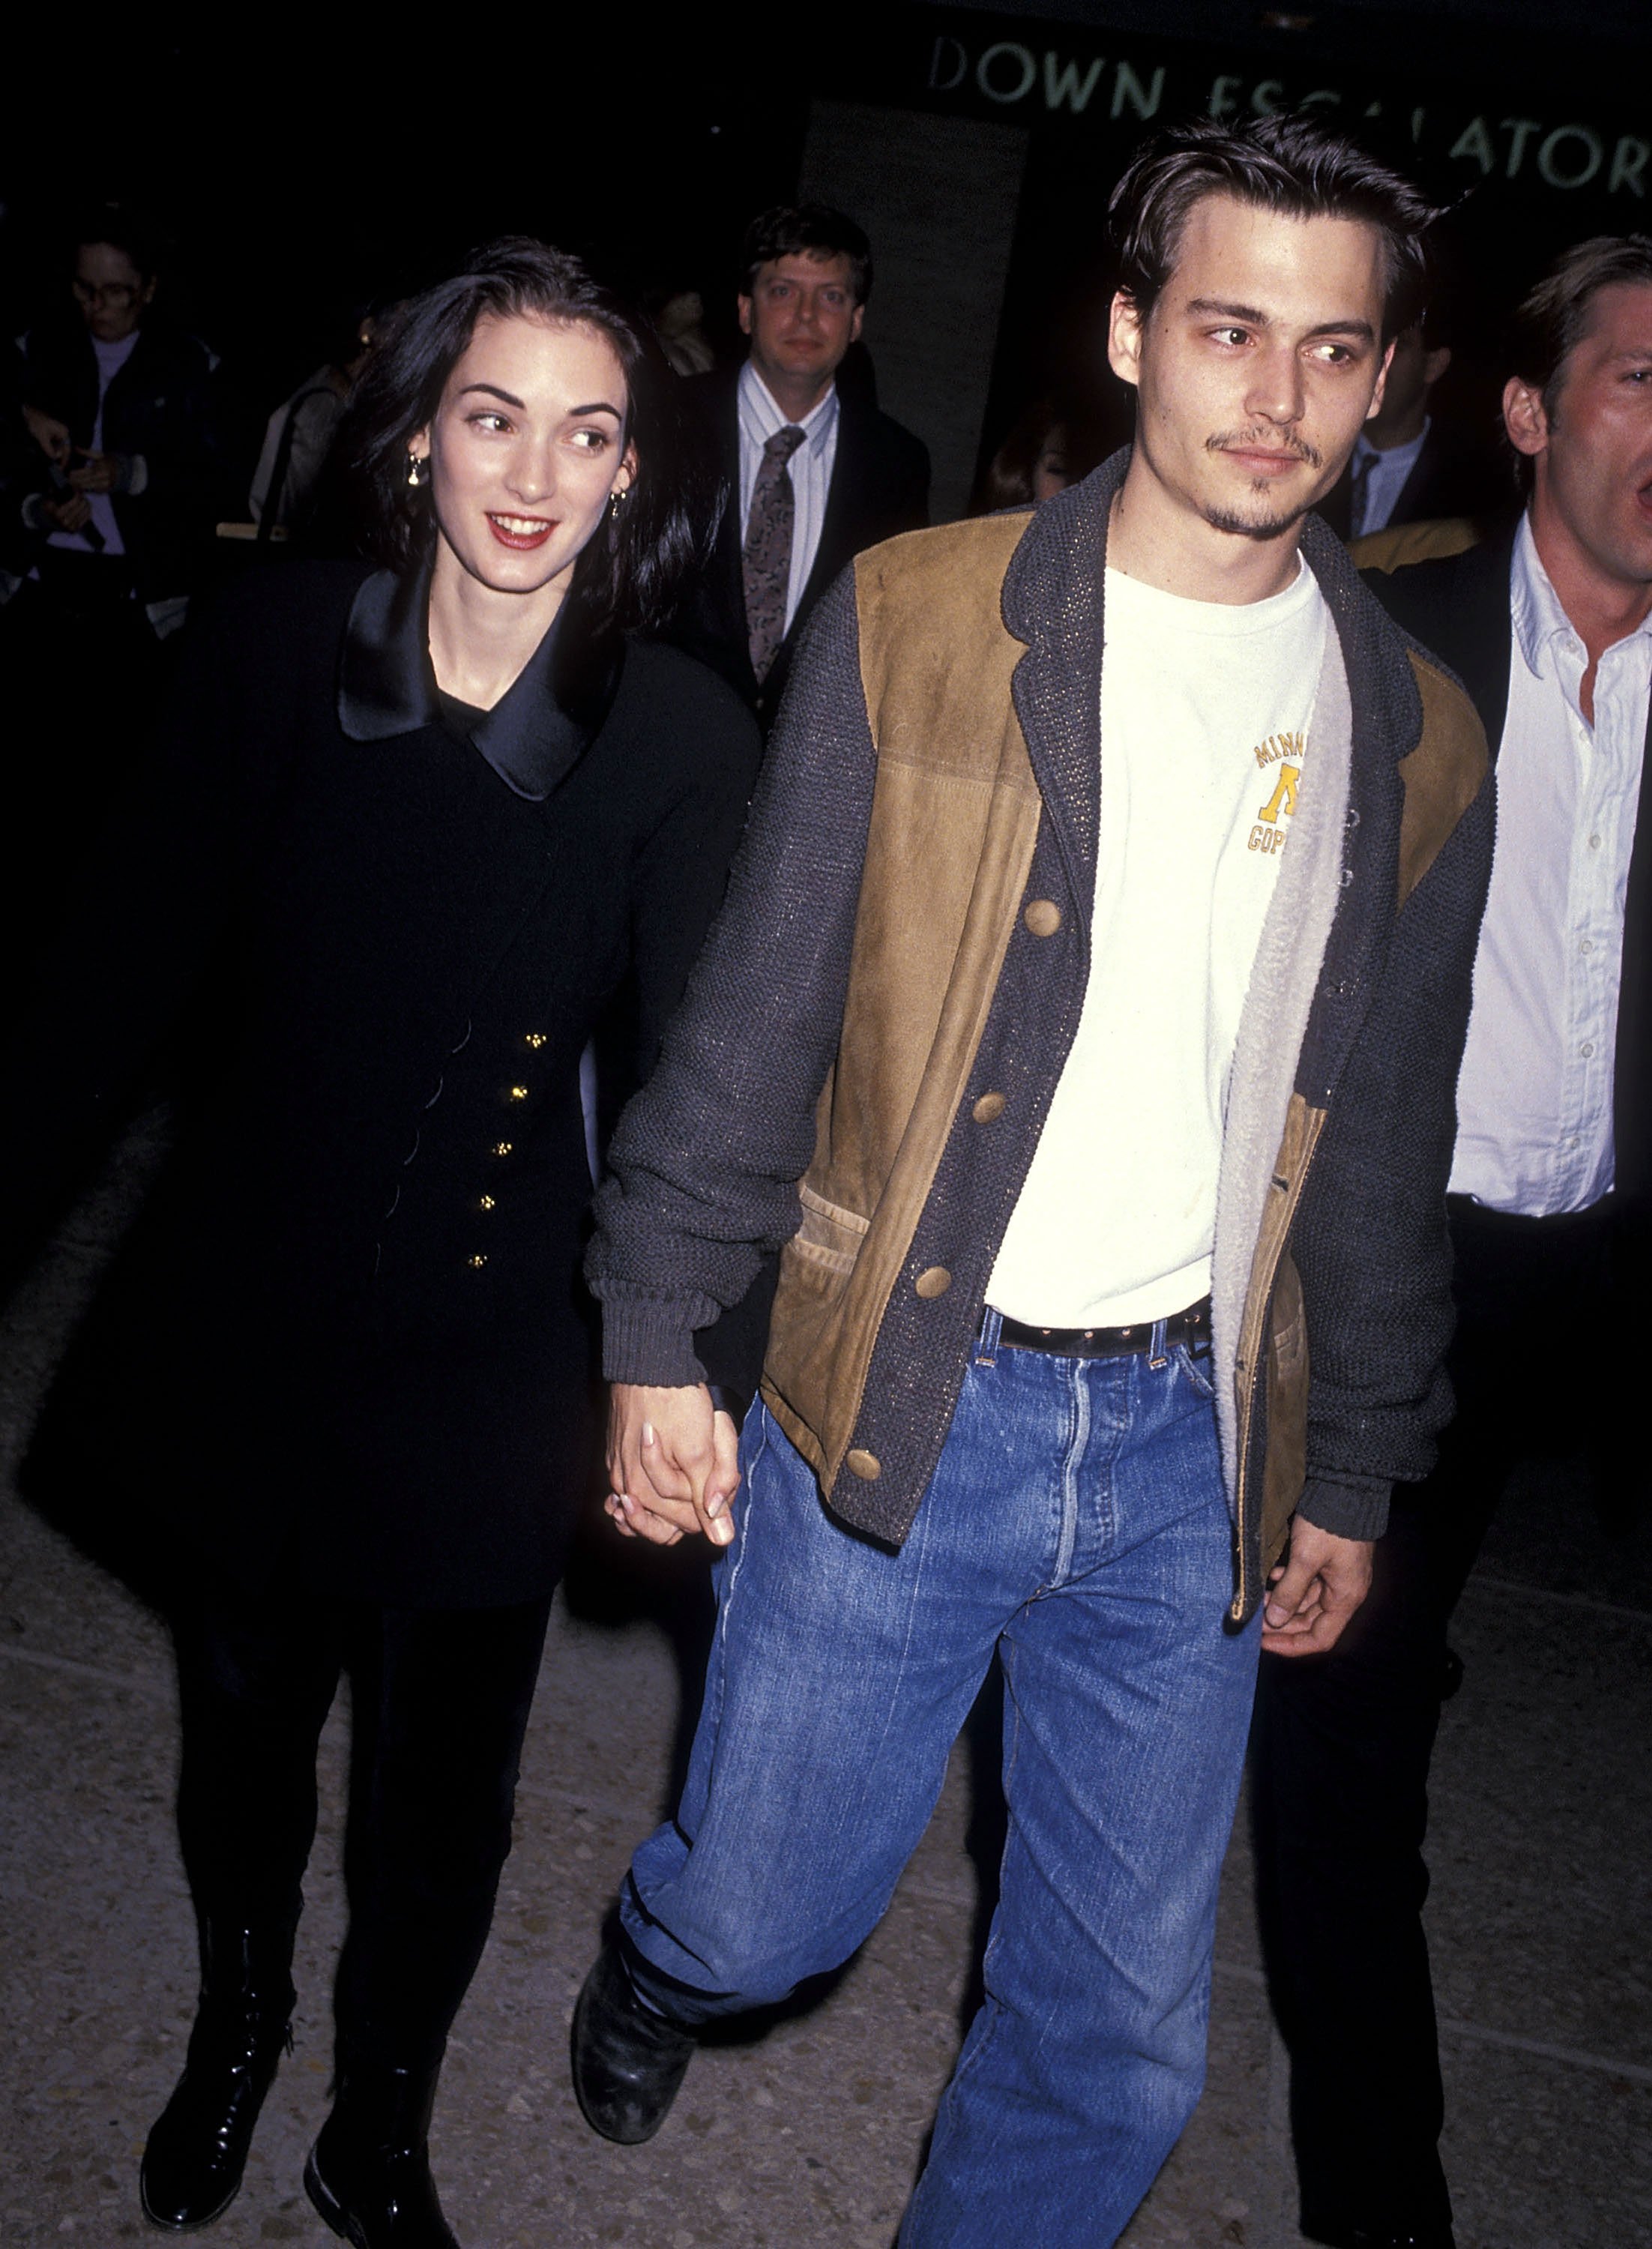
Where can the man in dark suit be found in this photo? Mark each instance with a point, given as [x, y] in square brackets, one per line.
[1408, 466]
[1550, 629]
[815, 473]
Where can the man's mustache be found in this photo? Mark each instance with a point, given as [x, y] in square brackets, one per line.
[1264, 441]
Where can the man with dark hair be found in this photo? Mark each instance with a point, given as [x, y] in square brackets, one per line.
[1408, 466]
[814, 474]
[1107, 1143]
[1550, 629]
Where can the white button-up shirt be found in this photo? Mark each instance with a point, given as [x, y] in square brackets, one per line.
[1534, 1101]
[810, 468]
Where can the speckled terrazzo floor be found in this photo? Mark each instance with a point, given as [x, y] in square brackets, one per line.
[810, 2134]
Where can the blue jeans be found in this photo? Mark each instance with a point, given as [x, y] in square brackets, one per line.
[1076, 1525]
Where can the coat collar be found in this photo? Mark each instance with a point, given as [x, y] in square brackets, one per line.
[533, 736]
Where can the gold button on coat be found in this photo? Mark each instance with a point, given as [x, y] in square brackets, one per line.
[534, 1039]
[517, 1093]
[933, 1280]
[865, 1465]
[502, 1147]
[1043, 917]
[988, 1109]
[477, 1259]
[484, 1202]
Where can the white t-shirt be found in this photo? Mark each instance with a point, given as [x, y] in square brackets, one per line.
[1205, 710]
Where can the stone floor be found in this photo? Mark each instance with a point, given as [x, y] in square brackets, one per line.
[810, 2133]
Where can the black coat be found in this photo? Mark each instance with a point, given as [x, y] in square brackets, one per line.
[162, 405]
[1450, 477]
[347, 1329]
[880, 488]
[1460, 607]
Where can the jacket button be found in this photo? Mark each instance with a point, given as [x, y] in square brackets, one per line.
[933, 1280]
[477, 1259]
[1043, 917]
[865, 1465]
[484, 1202]
[502, 1147]
[516, 1093]
[534, 1039]
[988, 1109]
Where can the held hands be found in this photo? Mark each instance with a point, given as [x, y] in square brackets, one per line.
[1312, 1596]
[101, 472]
[672, 1463]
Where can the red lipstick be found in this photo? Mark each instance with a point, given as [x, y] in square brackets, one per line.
[510, 531]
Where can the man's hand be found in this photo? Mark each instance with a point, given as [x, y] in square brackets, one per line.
[51, 435]
[101, 472]
[672, 1463]
[72, 514]
[1312, 1595]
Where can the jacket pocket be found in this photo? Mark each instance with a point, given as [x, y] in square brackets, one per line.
[828, 1243]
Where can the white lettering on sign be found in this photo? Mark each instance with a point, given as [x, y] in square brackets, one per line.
[1063, 83]
[991, 79]
[1567, 156]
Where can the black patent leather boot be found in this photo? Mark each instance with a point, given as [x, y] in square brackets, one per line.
[197, 2148]
[369, 2171]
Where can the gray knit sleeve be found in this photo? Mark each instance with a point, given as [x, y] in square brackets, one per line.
[704, 1164]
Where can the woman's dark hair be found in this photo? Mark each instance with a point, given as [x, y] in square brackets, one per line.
[630, 571]
[1292, 164]
[807, 230]
[1008, 478]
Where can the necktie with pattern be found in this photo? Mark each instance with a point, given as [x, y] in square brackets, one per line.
[1360, 494]
[766, 558]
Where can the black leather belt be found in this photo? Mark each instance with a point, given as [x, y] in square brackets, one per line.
[1191, 1327]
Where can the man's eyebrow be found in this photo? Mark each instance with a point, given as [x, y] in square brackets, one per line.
[1218, 308]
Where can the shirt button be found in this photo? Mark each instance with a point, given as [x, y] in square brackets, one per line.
[1586, 947]
[1588, 1047]
[1595, 843]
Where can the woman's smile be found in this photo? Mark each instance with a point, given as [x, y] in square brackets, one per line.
[521, 532]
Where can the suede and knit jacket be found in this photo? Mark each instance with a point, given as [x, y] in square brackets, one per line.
[871, 1038]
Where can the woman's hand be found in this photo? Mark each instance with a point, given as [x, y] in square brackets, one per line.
[673, 1463]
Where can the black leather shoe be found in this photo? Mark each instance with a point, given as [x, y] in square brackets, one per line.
[369, 2172]
[628, 2061]
[197, 2148]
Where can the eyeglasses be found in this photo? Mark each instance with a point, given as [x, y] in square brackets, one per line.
[119, 296]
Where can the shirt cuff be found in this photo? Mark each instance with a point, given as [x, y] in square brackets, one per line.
[1348, 1510]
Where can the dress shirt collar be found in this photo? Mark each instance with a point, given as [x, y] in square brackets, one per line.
[1543, 632]
[760, 418]
[1396, 459]
[535, 733]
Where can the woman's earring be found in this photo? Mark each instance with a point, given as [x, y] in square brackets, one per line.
[418, 472]
[616, 501]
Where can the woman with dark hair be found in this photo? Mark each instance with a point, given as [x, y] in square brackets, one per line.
[430, 824]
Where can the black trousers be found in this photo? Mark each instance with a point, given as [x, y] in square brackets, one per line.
[1342, 1742]
[440, 1702]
